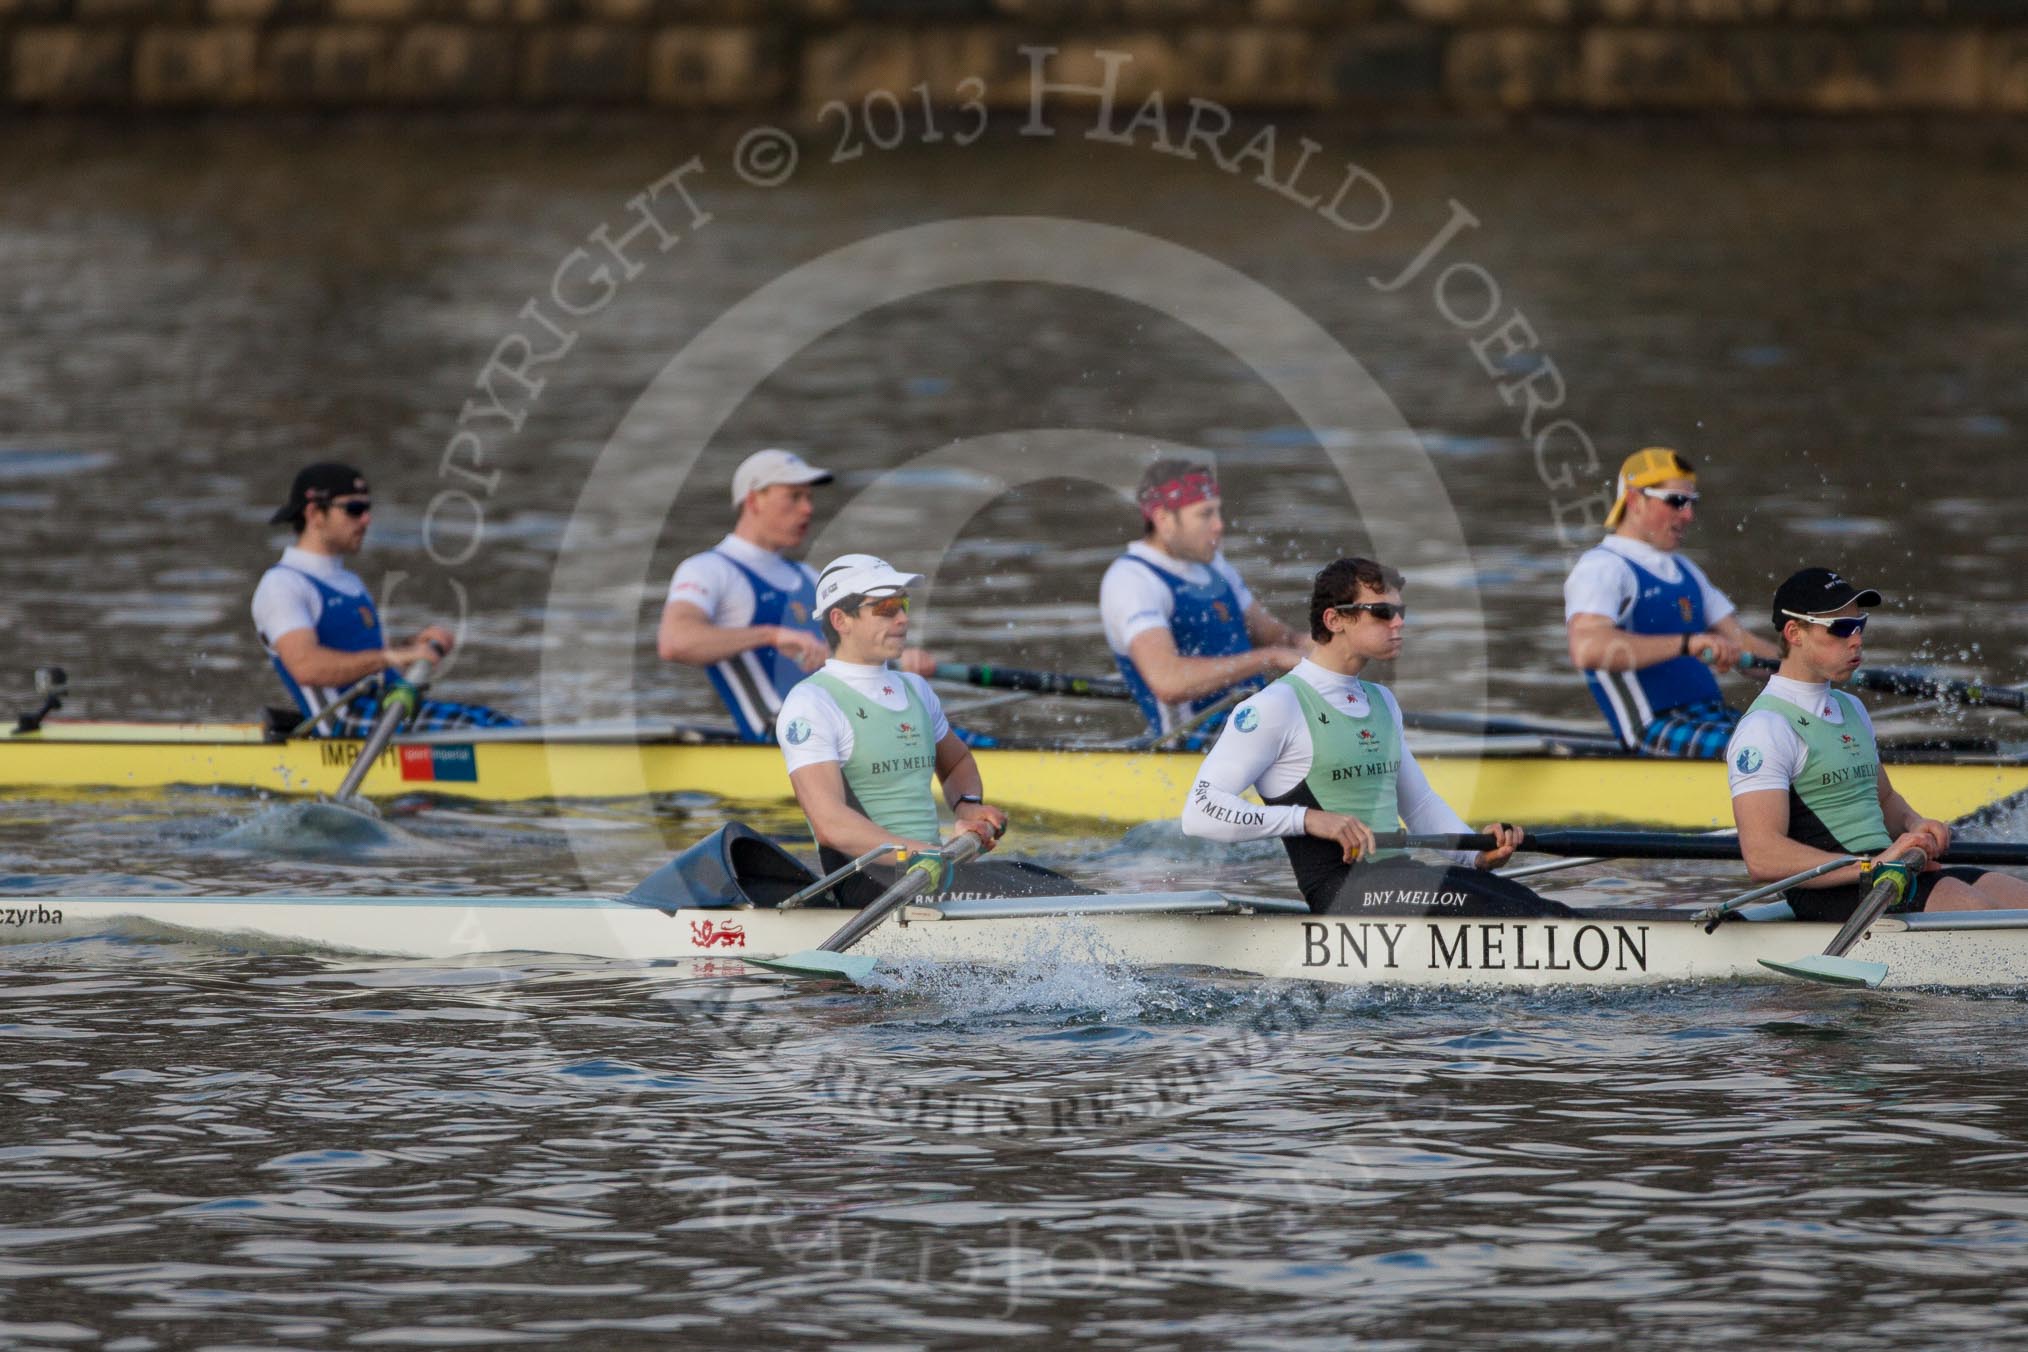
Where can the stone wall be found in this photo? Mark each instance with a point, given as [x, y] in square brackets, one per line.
[1838, 57]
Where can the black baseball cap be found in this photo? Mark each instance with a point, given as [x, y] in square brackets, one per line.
[319, 483]
[1818, 591]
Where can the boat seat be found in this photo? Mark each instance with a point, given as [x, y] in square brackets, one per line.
[733, 866]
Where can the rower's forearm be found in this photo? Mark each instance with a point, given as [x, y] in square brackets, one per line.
[1769, 861]
[1618, 650]
[1900, 817]
[1188, 678]
[1212, 813]
[963, 779]
[853, 833]
[700, 644]
[330, 668]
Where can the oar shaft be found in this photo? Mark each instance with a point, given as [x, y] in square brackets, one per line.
[1710, 917]
[1883, 895]
[1923, 685]
[1591, 844]
[1037, 682]
[1670, 845]
[959, 849]
[1152, 741]
[396, 709]
[834, 877]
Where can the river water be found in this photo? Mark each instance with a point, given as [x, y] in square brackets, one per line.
[214, 1147]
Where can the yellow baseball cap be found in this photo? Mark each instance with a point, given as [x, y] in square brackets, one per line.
[1645, 469]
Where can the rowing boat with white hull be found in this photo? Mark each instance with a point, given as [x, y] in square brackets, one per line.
[1207, 929]
[1531, 778]
[732, 895]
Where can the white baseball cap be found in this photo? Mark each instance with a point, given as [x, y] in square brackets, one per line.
[765, 469]
[851, 575]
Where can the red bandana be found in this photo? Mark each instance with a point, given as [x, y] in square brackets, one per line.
[1178, 493]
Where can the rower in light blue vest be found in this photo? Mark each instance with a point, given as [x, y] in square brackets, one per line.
[1325, 751]
[1808, 787]
[744, 610]
[317, 620]
[1184, 629]
[1644, 622]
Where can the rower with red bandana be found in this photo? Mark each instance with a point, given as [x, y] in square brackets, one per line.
[1183, 627]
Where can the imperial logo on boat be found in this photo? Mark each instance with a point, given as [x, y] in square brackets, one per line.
[440, 764]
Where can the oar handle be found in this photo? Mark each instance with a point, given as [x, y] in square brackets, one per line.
[1884, 894]
[1037, 682]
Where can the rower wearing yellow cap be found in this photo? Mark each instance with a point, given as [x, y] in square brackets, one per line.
[1646, 627]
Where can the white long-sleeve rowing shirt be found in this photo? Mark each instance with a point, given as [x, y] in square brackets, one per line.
[1270, 752]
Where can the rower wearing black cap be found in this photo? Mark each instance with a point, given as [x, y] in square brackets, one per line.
[1325, 750]
[1807, 782]
[318, 622]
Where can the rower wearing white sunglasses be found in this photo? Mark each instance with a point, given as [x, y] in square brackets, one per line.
[1807, 782]
[1646, 627]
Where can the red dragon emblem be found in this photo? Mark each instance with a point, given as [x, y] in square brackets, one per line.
[905, 727]
[711, 934]
[1846, 738]
[1365, 736]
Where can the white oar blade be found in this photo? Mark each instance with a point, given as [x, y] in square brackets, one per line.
[1831, 971]
[819, 963]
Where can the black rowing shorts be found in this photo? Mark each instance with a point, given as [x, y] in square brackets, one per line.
[1834, 905]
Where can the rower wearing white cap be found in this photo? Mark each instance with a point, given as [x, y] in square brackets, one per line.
[745, 611]
[865, 743]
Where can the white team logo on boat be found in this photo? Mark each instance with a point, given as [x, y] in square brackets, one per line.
[1246, 720]
[799, 731]
[1749, 760]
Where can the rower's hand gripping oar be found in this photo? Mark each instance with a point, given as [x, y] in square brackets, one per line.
[928, 871]
[1894, 880]
[397, 707]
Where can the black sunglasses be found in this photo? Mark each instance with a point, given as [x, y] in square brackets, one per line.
[1387, 612]
[354, 507]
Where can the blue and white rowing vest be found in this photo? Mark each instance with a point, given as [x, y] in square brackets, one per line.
[1633, 699]
[753, 683]
[1206, 622]
[346, 623]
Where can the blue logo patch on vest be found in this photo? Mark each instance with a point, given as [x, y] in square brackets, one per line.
[1748, 760]
[1247, 719]
[799, 731]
